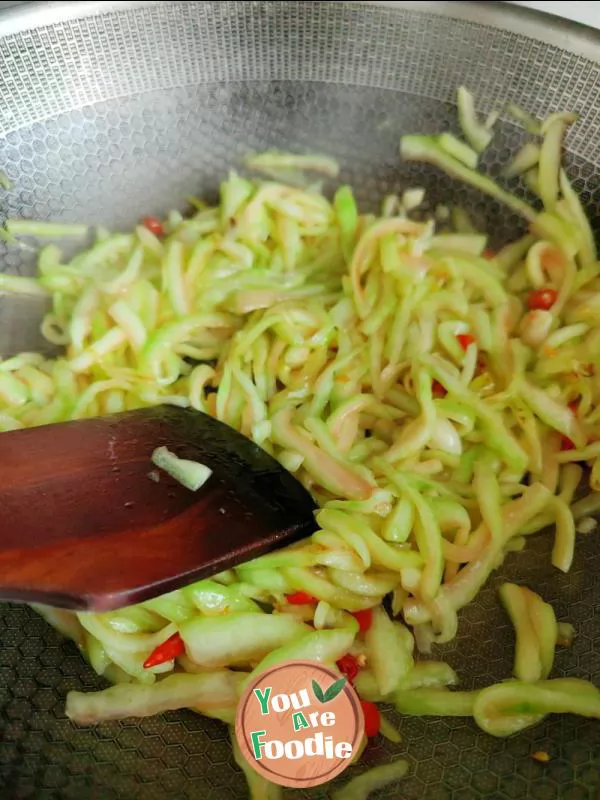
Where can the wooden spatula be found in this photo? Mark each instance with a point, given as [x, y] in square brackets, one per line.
[85, 525]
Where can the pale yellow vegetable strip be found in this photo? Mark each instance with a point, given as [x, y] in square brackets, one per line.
[29, 227]
[463, 588]
[435, 702]
[587, 506]
[549, 161]
[528, 662]
[389, 651]
[203, 691]
[347, 534]
[370, 584]
[173, 277]
[415, 436]
[364, 251]
[276, 160]
[326, 647]
[544, 624]
[129, 322]
[570, 477]
[102, 347]
[500, 439]
[474, 131]
[526, 158]
[487, 491]
[507, 708]
[382, 553]
[427, 533]
[429, 541]
[130, 274]
[553, 413]
[564, 541]
[17, 284]
[305, 580]
[330, 472]
[588, 252]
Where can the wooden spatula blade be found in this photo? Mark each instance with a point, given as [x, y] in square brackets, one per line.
[85, 526]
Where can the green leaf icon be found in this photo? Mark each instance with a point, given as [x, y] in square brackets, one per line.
[318, 692]
[334, 689]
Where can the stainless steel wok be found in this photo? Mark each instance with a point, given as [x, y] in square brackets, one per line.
[112, 110]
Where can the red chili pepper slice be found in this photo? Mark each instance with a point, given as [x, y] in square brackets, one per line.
[574, 406]
[364, 619]
[488, 253]
[168, 650]
[348, 666]
[566, 443]
[301, 599]
[154, 225]
[541, 299]
[438, 390]
[465, 339]
[372, 718]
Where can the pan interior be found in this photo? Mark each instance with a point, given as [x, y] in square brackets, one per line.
[111, 116]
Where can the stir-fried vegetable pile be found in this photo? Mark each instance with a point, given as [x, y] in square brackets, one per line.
[439, 400]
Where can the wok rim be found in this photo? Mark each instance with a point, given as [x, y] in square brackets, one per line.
[574, 37]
